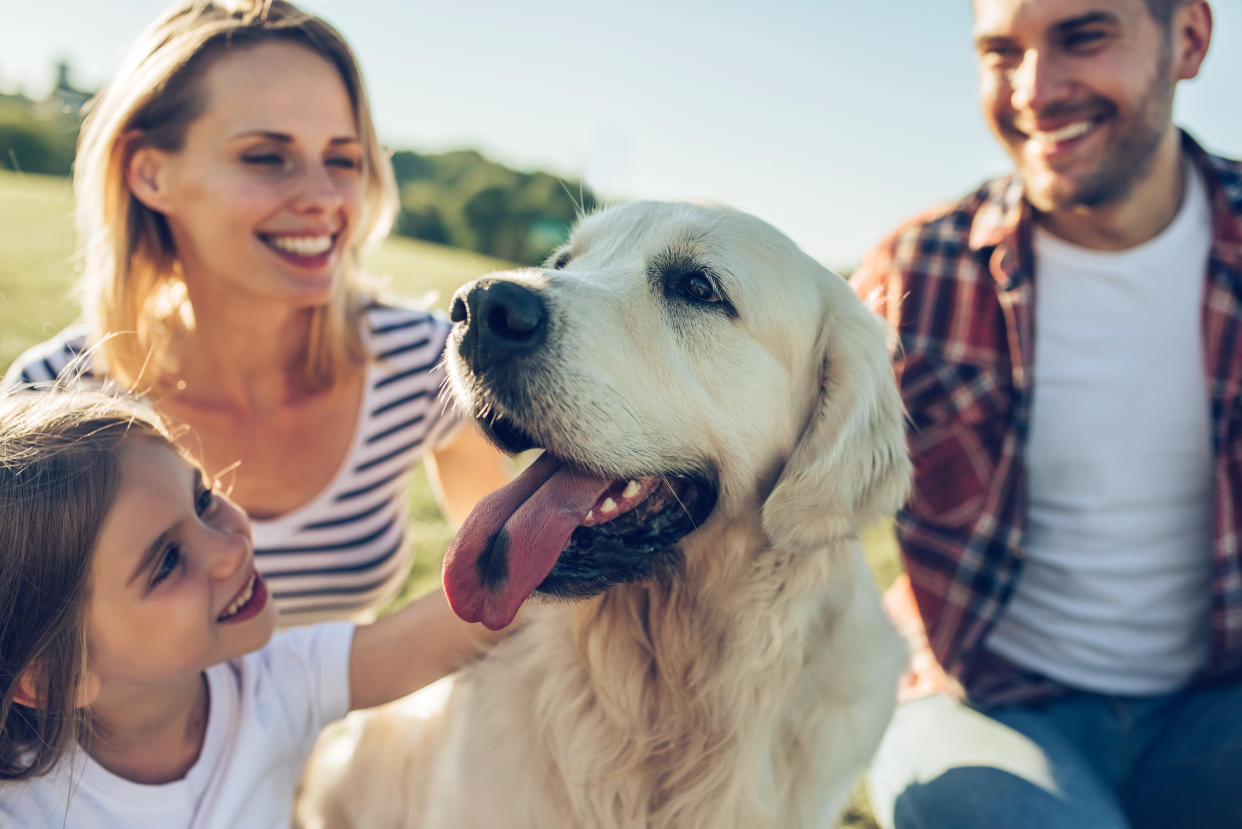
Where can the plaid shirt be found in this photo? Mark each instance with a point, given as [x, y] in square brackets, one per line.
[956, 284]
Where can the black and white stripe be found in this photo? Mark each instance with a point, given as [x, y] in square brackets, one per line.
[344, 553]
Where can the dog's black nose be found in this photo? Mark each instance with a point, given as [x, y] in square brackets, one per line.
[497, 319]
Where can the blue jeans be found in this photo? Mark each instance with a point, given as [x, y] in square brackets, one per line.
[1087, 761]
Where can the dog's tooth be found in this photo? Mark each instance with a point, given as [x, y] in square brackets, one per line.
[609, 505]
[631, 489]
[590, 514]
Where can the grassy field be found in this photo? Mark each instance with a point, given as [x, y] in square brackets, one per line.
[38, 267]
[37, 270]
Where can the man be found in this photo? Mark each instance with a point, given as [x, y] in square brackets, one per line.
[1072, 364]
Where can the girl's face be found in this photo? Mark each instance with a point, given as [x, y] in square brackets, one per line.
[261, 198]
[173, 582]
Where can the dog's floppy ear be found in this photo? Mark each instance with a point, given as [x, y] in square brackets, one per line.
[850, 465]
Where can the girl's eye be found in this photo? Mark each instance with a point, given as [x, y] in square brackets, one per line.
[697, 286]
[203, 502]
[168, 563]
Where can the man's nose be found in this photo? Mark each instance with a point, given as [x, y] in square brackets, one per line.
[1036, 81]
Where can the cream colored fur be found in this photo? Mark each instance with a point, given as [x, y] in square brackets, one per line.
[746, 688]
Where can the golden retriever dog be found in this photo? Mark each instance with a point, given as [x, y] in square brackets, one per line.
[719, 419]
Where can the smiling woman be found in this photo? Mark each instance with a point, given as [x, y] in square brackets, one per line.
[228, 181]
[262, 194]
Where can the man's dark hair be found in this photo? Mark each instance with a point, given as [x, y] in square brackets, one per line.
[1162, 10]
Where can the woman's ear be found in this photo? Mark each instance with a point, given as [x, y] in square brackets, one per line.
[27, 691]
[146, 173]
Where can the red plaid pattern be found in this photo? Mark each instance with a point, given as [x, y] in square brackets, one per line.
[956, 284]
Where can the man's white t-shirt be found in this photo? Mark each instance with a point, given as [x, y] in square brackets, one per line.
[1114, 593]
[266, 709]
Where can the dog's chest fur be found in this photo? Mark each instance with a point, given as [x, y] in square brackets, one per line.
[672, 704]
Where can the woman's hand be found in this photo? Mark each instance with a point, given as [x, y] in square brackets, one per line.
[463, 471]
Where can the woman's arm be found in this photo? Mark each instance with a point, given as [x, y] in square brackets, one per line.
[410, 648]
[463, 471]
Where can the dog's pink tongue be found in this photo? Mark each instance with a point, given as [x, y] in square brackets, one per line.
[513, 538]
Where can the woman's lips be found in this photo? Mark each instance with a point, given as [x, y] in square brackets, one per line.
[303, 250]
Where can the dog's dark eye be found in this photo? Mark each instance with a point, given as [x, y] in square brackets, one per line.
[697, 286]
[560, 260]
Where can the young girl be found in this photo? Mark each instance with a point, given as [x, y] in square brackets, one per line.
[140, 681]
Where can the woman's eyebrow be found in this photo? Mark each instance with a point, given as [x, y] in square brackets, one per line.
[286, 138]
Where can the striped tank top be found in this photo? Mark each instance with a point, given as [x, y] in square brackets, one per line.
[344, 553]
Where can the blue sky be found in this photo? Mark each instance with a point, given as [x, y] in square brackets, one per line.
[832, 119]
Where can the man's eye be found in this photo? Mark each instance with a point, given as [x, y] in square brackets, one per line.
[168, 563]
[1083, 40]
[999, 52]
[263, 159]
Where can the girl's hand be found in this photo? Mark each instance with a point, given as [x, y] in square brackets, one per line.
[413, 647]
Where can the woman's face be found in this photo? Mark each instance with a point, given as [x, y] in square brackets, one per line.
[262, 197]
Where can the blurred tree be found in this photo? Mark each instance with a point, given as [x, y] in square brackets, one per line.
[458, 198]
[464, 199]
[31, 144]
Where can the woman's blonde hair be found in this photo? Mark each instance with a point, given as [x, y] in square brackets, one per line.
[130, 282]
[60, 470]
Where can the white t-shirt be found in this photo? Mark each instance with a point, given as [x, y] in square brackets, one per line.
[265, 711]
[1114, 593]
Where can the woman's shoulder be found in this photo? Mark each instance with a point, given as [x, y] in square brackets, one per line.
[41, 365]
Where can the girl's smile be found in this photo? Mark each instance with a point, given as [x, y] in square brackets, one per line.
[248, 603]
[173, 570]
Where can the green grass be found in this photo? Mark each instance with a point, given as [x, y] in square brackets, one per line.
[38, 267]
[37, 270]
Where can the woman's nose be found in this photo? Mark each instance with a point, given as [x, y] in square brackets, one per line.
[319, 191]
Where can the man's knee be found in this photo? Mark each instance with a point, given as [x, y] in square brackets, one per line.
[984, 798]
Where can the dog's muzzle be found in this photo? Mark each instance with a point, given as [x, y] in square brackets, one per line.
[497, 320]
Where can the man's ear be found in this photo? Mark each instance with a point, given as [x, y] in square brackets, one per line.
[147, 174]
[27, 691]
[1191, 32]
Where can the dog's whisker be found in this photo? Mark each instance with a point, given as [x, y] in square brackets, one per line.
[577, 202]
[622, 403]
[680, 502]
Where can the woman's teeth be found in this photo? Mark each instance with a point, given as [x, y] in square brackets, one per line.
[240, 602]
[301, 245]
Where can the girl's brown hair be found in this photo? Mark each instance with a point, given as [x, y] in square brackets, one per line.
[130, 282]
[60, 456]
